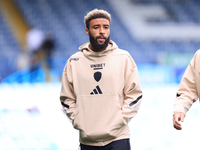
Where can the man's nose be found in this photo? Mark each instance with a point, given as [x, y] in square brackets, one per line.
[102, 31]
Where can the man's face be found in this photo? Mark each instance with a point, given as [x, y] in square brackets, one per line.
[99, 33]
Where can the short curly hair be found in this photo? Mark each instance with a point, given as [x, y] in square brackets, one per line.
[96, 13]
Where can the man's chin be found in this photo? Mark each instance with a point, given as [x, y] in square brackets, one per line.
[101, 43]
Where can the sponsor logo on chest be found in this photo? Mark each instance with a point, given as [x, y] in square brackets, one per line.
[98, 66]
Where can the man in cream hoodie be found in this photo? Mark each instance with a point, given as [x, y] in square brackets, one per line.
[188, 92]
[101, 90]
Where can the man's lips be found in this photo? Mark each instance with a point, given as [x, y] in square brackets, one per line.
[101, 38]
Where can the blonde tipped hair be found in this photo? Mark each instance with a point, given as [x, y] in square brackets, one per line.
[96, 13]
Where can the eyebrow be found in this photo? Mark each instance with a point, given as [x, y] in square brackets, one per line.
[99, 25]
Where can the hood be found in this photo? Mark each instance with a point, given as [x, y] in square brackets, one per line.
[89, 53]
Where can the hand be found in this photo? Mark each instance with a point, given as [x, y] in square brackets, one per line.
[178, 117]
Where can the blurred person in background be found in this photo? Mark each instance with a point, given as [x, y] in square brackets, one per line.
[48, 48]
[188, 91]
[101, 90]
[34, 40]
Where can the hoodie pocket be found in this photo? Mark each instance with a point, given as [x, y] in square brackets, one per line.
[98, 117]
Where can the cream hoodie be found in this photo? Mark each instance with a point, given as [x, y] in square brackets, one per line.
[189, 88]
[100, 93]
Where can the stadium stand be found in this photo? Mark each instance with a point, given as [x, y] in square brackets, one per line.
[9, 50]
[65, 20]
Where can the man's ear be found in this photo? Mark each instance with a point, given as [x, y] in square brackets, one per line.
[87, 31]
